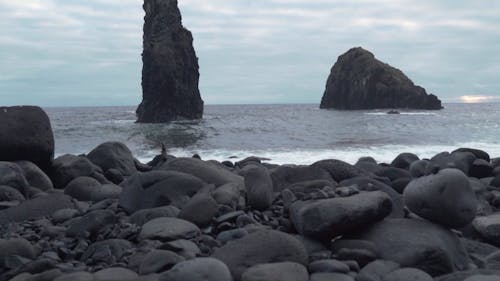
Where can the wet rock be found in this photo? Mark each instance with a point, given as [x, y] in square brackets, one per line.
[15, 247]
[227, 194]
[419, 244]
[8, 193]
[206, 171]
[282, 271]
[418, 168]
[35, 176]
[259, 247]
[113, 155]
[330, 276]
[158, 188]
[13, 176]
[200, 209]
[284, 176]
[404, 160]
[405, 274]
[68, 167]
[376, 270]
[340, 170]
[170, 67]
[82, 188]
[328, 266]
[198, 269]
[39, 207]
[143, 216]
[158, 261]
[115, 274]
[359, 81]
[477, 153]
[481, 169]
[26, 134]
[168, 229]
[445, 198]
[328, 218]
[456, 160]
[488, 227]
[259, 187]
[90, 224]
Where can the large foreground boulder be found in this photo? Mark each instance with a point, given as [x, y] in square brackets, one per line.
[359, 81]
[260, 247]
[328, 218]
[419, 244]
[26, 134]
[445, 198]
[170, 67]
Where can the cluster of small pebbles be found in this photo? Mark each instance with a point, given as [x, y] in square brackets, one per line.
[105, 216]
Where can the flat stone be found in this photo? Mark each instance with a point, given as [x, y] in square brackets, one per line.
[405, 274]
[115, 274]
[198, 269]
[168, 229]
[282, 271]
[158, 261]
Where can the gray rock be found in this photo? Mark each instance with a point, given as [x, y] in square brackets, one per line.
[488, 227]
[91, 223]
[328, 266]
[13, 176]
[15, 247]
[182, 247]
[64, 215]
[232, 234]
[82, 188]
[463, 275]
[115, 274]
[281, 271]
[143, 216]
[359, 81]
[417, 243]
[445, 198]
[457, 160]
[418, 168]
[168, 229]
[206, 171]
[170, 67]
[407, 274]
[109, 251]
[259, 186]
[227, 194]
[76, 276]
[47, 275]
[404, 160]
[158, 188]
[39, 207]
[263, 246]
[340, 170]
[113, 155]
[287, 175]
[106, 191]
[35, 176]
[26, 134]
[376, 270]
[200, 209]
[198, 269]
[328, 218]
[330, 277]
[481, 277]
[68, 167]
[8, 193]
[158, 261]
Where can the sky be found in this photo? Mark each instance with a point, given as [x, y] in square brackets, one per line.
[88, 52]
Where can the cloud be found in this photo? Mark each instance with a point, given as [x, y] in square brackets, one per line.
[277, 51]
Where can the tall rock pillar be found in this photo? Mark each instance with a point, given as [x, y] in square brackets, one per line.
[170, 67]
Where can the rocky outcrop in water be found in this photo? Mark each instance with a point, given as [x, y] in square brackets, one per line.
[170, 67]
[359, 81]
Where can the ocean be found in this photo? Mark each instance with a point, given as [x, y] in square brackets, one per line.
[285, 134]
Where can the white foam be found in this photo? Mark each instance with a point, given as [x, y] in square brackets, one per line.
[385, 153]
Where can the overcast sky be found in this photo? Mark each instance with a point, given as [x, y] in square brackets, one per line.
[87, 52]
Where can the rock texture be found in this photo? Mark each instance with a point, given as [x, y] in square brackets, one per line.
[170, 67]
[359, 81]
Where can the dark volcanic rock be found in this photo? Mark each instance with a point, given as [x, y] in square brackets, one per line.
[113, 155]
[327, 218]
[26, 134]
[359, 81]
[280, 271]
[198, 269]
[260, 247]
[170, 66]
[67, 167]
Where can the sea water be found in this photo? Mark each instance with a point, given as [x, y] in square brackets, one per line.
[298, 134]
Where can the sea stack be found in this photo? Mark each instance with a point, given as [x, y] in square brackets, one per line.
[360, 81]
[170, 67]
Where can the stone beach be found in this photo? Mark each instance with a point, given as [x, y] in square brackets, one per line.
[106, 216]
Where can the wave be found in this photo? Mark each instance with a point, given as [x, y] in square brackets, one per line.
[383, 154]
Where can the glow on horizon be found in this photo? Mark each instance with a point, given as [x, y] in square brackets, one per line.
[478, 98]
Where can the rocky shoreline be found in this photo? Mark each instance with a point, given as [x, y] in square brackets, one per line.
[106, 216]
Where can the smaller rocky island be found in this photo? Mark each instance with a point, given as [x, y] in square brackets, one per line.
[359, 81]
[170, 73]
